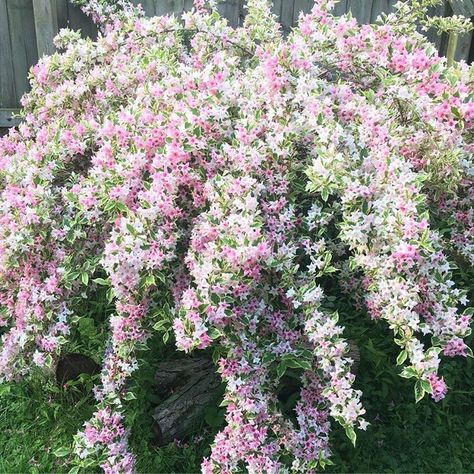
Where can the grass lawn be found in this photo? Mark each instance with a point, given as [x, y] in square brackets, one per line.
[36, 419]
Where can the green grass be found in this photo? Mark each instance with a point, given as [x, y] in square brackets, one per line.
[36, 418]
[403, 436]
[426, 437]
[33, 424]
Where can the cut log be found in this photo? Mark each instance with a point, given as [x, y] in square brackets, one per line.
[175, 373]
[194, 385]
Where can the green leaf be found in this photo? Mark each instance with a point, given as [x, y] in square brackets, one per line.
[351, 434]
[72, 276]
[61, 452]
[166, 337]
[426, 386]
[74, 470]
[149, 280]
[402, 357]
[214, 417]
[110, 295]
[161, 325]
[120, 206]
[160, 277]
[294, 363]
[85, 278]
[101, 281]
[214, 334]
[281, 369]
[408, 373]
[129, 396]
[4, 389]
[419, 391]
[215, 298]
[87, 326]
[325, 194]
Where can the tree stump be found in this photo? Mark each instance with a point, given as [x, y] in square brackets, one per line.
[71, 366]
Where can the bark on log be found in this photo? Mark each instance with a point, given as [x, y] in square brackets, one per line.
[194, 385]
[175, 373]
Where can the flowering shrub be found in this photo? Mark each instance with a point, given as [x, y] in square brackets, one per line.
[219, 180]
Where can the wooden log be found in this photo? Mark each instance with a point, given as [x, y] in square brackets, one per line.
[175, 373]
[194, 385]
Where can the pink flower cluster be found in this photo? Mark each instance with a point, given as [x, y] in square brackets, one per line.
[106, 430]
[237, 174]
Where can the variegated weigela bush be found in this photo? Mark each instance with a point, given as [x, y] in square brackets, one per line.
[215, 180]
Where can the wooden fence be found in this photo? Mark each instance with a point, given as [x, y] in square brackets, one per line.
[28, 26]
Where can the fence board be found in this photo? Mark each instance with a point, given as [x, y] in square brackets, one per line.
[231, 10]
[378, 7]
[439, 40]
[23, 42]
[7, 80]
[463, 7]
[188, 5]
[276, 8]
[46, 26]
[287, 11]
[19, 47]
[164, 7]
[301, 6]
[148, 6]
[61, 13]
[361, 10]
[77, 20]
[464, 47]
[8, 118]
[341, 8]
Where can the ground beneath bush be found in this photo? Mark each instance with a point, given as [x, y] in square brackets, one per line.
[37, 419]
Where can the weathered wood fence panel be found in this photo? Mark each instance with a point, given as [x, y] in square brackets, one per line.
[7, 84]
[28, 26]
[46, 25]
[19, 45]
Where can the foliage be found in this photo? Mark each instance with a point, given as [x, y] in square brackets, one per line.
[228, 184]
